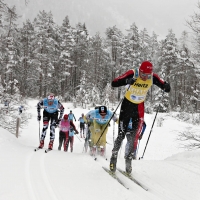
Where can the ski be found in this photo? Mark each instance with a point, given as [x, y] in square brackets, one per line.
[132, 179]
[112, 174]
[47, 150]
[36, 149]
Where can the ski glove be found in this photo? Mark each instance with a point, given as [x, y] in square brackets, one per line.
[58, 122]
[38, 117]
[166, 87]
[130, 81]
[140, 137]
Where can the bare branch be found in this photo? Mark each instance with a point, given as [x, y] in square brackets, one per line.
[191, 140]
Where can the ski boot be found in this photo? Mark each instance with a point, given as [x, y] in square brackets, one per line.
[51, 145]
[102, 151]
[59, 147]
[113, 163]
[128, 165]
[93, 151]
[41, 144]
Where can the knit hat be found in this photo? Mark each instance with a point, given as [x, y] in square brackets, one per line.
[102, 109]
[51, 97]
[146, 67]
[66, 116]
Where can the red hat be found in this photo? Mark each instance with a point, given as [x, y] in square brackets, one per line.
[66, 116]
[146, 67]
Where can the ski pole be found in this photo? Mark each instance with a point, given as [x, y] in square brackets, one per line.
[78, 137]
[137, 148]
[111, 117]
[120, 149]
[152, 125]
[39, 131]
[113, 132]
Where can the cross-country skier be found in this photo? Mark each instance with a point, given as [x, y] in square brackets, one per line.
[82, 125]
[65, 125]
[70, 142]
[87, 132]
[140, 81]
[71, 116]
[99, 118]
[50, 114]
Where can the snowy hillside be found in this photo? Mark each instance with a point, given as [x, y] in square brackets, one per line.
[166, 170]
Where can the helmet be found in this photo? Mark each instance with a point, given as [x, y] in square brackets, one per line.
[51, 97]
[66, 116]
[146, 67]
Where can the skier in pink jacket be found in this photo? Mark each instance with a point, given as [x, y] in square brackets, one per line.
[64, 132]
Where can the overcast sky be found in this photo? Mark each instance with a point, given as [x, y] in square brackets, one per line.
[154, 15]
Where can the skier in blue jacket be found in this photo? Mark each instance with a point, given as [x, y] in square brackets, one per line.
[71, 116]
[50, 114]
[82, 125]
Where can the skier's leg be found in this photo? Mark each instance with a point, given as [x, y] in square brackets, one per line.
[44, 129]
[66, 143]
[137, 123]
[83, 130]
[127, 109]
[54, 118]
[72, 143]
[103, 140]
[60, 140]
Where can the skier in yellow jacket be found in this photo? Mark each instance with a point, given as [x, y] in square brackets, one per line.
[99, 118]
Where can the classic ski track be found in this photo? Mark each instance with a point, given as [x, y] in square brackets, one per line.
[35, 169]
[195, 166]
[32, 195]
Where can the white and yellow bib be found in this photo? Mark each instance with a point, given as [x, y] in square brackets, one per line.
[138, 91]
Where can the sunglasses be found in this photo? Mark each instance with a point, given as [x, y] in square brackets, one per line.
[144, 75]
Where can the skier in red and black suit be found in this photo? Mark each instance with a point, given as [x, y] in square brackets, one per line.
[139, 81]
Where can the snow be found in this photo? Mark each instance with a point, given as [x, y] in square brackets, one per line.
[169, 172]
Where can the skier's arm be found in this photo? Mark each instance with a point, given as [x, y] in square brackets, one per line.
[74, 117]
[114, 118]
[39, 105]
[62, 109]
[160, 83]
[122, 80]
[74, 127]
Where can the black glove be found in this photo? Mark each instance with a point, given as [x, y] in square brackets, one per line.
[166, 87]
[38, 117]
[130, 81]
[140, 137]
[57, 123]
